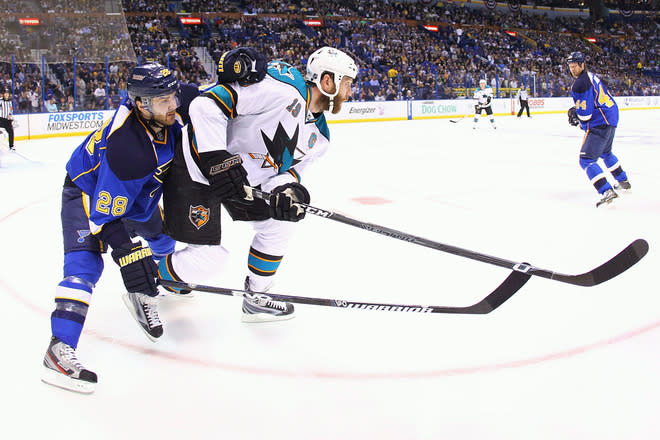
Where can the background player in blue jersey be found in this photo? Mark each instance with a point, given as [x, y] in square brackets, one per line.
[598, 115]
[111, 193]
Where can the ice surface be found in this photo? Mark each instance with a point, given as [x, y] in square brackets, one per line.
[555, 361]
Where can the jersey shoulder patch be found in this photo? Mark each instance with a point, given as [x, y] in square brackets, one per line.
[130, 153]
[288, 74]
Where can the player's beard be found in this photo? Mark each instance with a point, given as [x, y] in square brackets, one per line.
[337, 104]
[164, 120]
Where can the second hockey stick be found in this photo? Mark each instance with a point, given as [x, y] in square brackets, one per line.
[616, 265]
[461, 118]
[496, 298]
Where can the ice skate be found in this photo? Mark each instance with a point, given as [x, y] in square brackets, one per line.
[624, 185]
[63, 369]
[608, 197]
[261, 308]
[145, 311]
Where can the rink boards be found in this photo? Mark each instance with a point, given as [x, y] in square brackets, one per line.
[45, 125]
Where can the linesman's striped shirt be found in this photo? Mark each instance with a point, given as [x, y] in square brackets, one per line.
[6, 109]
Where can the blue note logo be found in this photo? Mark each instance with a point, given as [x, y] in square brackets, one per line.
[82, 233]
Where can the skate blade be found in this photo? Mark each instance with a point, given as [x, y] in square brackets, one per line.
[265, 317]
[65, 382]
[607, 205]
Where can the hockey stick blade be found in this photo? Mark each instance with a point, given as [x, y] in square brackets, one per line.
[496, 298]
[618, 264]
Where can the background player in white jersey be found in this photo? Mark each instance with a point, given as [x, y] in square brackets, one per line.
[112, 191]
[277, 128]
[483, 95]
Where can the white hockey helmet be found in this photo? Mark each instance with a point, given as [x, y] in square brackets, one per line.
[329, 59]
[482, 81]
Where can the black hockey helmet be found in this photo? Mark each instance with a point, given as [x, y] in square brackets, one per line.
[575, 57]
[149, 81]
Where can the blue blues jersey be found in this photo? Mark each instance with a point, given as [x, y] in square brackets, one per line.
[594, 104]
[120, 168]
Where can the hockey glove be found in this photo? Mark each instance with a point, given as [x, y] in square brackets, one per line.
[284, 201]
[244, 64]
[573, 117]
[225, 174]
[137, 267]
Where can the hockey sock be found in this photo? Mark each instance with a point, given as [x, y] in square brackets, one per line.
[612, 164]
[595, 174]
[72, 299]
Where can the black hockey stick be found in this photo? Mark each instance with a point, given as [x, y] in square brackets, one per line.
[460, 119]
[496, 298]
[618, 264]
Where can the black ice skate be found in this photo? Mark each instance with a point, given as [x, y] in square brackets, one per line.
[145, 311]
[608, 197]
[623, 185]
[261, 308]
[63, 369]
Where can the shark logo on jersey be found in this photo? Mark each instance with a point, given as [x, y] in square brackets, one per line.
[82, 233]
[282, 147]
[283, 69]
[199, 215]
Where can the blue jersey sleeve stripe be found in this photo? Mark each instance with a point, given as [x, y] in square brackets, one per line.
[85, 172]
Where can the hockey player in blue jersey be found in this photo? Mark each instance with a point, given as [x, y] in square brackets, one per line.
[111, 193]
[598, 115]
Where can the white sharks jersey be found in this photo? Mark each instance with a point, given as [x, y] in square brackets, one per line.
[268, 124]
[483, 97]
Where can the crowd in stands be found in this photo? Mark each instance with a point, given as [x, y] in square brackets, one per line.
[398, 57]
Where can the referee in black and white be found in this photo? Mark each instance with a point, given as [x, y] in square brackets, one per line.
[524, 105]
[7, 116]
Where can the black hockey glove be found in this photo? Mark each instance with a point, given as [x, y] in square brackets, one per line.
[284, 199]
[225, 174]
[573, 117]
[244, 64]
[137, 267]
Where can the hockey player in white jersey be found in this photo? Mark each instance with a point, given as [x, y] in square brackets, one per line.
[266, 135]
[483, 97]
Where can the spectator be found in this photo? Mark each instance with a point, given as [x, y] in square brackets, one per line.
[99, 96]
[50, 105]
